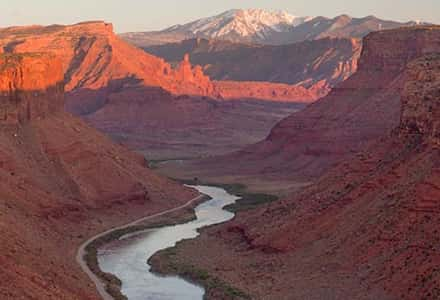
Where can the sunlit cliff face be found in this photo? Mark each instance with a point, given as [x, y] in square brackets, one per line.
[31, 87]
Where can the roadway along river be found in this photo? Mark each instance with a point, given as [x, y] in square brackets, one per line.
[127, 257]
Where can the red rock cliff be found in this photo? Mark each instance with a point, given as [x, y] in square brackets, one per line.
[52, 190]
[31, 87]
[97, 62]
[356, 112]
[93, 56]
[367, 229]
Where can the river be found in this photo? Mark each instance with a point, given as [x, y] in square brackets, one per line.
[127, 257]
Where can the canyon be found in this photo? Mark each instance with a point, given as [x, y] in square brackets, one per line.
[52, 190]
[368, 227]
[345, 132]
[145, 103]
[308, 143]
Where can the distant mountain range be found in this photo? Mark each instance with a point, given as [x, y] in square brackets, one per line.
[264, 27]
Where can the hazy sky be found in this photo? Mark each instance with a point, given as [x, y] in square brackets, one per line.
[138, 15]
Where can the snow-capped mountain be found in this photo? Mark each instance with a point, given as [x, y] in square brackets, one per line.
[252, 24]
[259, 26]
[238, 25]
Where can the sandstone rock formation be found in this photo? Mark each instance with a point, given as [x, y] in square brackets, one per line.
[24, 77]
[356, 112]
[53, 194]
[315, 65]
[93, 57]
[368, 228]
[144, 102]
[186, 73]
[162, 126]
[97, 62]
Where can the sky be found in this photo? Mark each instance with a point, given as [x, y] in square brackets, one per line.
[145, 15]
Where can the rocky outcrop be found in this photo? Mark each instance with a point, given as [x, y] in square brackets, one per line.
[97, 63]
[315, 65]
[416, 135]
[368, 228]
[31, 87]
[93, 56]
[361, 109]
[420, 101]
[187, 74]
[144, 102]
[184, 70]
[53, 194]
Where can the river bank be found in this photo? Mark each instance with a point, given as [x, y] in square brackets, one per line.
[248, 200]
[108, 285]
[166, 263]
[128, 257]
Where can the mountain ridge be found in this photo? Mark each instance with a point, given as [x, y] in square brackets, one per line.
[264, 27]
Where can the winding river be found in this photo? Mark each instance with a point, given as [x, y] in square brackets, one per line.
[127, 257]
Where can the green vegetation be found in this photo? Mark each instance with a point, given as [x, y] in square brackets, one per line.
[251, 201]
[166, 261]
[213, 285]
[154, 163]
[202, 277]
[248, 200]
[113, 284]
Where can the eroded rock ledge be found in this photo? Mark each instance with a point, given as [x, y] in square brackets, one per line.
[31, 87]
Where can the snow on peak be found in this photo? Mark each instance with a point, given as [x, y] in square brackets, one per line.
[244, 23]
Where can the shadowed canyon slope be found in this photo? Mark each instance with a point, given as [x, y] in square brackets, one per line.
[316, 65]
[53, 191]
[128, 93]
[367, 229]
[359, 110]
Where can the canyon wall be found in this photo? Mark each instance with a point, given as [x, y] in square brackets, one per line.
[366, 229]
[314, 65]
[26, 83]
[359, 110]
[97, 62]
[53, 194]
[362, 108]
[142, 101]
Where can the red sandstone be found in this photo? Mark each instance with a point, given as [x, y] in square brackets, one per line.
[368, 228]
[53, 194]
